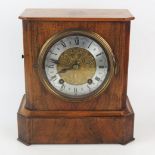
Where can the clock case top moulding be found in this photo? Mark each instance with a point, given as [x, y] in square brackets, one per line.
[44, 118]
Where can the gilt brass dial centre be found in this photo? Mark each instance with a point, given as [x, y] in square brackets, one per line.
[79, 63]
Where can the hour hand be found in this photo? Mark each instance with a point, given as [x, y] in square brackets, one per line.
[64, 70]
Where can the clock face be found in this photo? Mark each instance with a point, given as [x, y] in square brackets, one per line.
[75, 66]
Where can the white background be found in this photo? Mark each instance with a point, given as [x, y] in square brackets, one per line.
[141, 81]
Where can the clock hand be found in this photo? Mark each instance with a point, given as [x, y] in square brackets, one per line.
[64, 70]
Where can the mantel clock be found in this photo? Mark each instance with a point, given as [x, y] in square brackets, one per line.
[76, 64]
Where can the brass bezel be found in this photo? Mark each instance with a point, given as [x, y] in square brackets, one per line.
[92, 35]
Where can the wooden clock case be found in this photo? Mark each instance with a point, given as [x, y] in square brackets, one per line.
[44, 118]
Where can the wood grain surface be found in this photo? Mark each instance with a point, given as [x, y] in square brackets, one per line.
[79, 129]
[39, 98]
[44, 118]
[77, 15]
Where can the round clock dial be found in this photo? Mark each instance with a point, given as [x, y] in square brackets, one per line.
[76, 65]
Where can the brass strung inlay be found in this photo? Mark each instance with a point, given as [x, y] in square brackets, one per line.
[76, 65]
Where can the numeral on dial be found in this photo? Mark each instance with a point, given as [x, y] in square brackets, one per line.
[98, 54]
[97, 78]
[52, 51]
[75, 90]
[77, 41]
[50, 66]
[53, 78]
[101, 66]
[90, 44]
[63, 43]
[63, 87]
[53, 61]
[89, 87]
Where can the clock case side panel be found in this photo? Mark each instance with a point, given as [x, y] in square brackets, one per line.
[28, 63]
[124, 44]
[39, 98]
